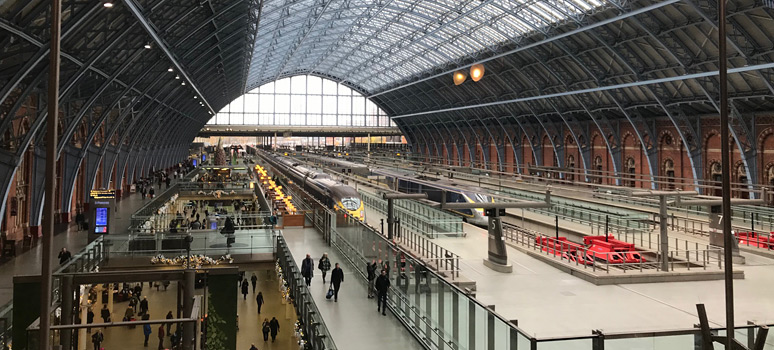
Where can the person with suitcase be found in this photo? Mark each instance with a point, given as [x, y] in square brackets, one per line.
[337, 276]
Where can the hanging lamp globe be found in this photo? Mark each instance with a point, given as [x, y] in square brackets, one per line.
[477, 72]
[459, 77]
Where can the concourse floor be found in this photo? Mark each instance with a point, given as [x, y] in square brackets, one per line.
[353, 321]
[250, 321]
[159, 303]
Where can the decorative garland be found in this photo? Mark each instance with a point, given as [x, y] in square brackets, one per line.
[196, 261]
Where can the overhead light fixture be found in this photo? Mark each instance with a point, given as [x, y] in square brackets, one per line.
[477, 72]
[108, 4]
[182, 83]
[177, 77]
[147, 46]
[195, 97]
[170, 69]
[459, 77]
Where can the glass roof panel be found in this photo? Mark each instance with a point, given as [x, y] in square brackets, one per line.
[372, 44]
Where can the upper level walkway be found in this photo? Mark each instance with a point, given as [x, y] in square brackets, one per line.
[297, 130]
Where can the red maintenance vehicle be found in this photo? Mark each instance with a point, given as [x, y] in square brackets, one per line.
[564, 248]
[755, 239]
[611, 250]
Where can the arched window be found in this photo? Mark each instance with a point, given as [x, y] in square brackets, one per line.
[302, 100]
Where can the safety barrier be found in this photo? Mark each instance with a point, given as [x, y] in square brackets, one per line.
[420, 217]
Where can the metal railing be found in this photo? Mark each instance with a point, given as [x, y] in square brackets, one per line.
[577, 255]
[420, 217]
[317, 334]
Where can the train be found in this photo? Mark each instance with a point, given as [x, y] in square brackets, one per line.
[409, 182]
[334, 194]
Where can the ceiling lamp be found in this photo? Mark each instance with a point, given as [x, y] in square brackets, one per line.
[108, 4]
[170, 69]
[459, 77]
[147, 46]
[477, 72]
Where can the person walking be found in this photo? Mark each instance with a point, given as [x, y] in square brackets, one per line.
[274, 326]
[245, 286]
[146, 330]
[169, 325]
[371, 269]
[152, 192]
[307, 269]
[97, 338]
[143, 306]
[128, 314]
[337, 276]
[265, 329]
[259, 300]
[254, 281]
[64, 256]
[324, 265]
[161, 336]
[382, 286]
[105, 313]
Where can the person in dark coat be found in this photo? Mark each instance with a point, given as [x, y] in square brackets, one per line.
[97, 338]
[254, 281]
[337, 276]
[307, 269]
[64, 256]
[274, 327]
[259, 300]
[169, 317]
[265, 329]
[324, 265]
[371, 269]
[245, 286]
[105, 313]
[144, 306]
[382, 286]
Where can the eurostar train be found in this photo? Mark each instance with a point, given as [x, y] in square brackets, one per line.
[409, 182]
[334, 194]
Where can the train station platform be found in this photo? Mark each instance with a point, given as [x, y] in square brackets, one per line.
[536, 289]
[353, 321]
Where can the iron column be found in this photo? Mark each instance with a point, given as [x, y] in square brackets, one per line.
[726, 173]
[51, 146]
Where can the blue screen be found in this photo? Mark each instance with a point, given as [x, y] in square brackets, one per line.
[204, 157]
[101, 218]
[194, 162]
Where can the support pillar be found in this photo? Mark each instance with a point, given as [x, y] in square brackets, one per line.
[390, 219]
[664, 235]
[110, 299]
[497, 258]
[65, 337]
[188, 295]
[83, 338]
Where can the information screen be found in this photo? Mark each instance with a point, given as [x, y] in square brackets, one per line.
[194, 162]
[101, 218]
[100, 229]
[204, 157]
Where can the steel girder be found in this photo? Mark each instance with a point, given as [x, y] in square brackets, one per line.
[666, 97]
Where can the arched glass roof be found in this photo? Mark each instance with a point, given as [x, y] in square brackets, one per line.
[371, 44]
[302, 100]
